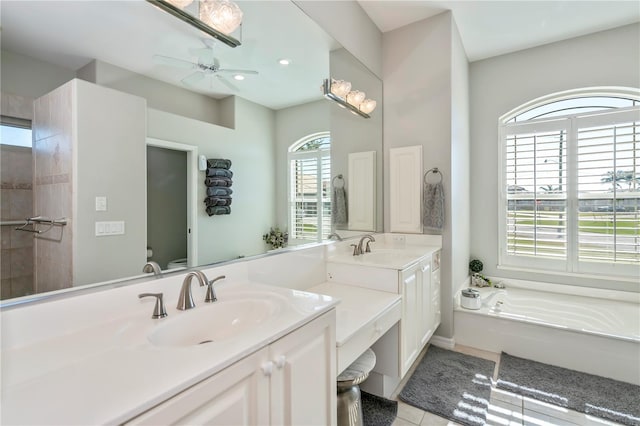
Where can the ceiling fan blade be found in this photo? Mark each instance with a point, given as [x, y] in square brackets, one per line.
[238, 71]
[193, 78]
[216, 63]
[160, 59]
[204, 54]
[227, 83]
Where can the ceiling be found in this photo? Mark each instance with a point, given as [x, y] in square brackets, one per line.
[491, 28]
[128, 34]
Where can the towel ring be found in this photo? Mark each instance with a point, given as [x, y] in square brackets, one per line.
[433, 170]
[333, 181]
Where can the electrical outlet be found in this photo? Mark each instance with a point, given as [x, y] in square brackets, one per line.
[399, 239]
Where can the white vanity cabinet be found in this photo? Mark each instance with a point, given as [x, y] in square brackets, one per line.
[289, 382]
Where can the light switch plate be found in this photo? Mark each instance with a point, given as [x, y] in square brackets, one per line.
[104, 229]
[101, 204]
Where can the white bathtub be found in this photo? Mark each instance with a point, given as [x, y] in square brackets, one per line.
[590, 330]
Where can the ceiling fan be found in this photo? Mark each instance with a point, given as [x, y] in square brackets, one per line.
[204, 69]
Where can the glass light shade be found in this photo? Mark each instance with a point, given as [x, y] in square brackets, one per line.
[368, 105]
[180, 3]
[340, 88]
[356, 97]
[223, 15]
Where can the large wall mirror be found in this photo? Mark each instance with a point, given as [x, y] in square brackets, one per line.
[141, 100]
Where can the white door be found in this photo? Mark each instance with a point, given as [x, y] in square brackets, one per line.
[409, 327]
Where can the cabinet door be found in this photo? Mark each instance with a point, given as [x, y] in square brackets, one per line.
[303, 383]
[410, 325]
[426, 310]
[238, 395]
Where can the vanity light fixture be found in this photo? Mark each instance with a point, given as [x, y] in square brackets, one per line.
[355, 101]
[222, 16]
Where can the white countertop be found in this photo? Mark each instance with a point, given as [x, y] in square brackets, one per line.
[110, 373]
[358, 306]
[385, 256]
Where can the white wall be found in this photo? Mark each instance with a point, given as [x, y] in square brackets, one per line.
[251, 148]
[350, 26]
[292, 124]
[608, 58]
[421, 63]
[460, 173]
[26, 76]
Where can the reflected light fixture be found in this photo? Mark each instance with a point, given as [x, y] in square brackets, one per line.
[226, 15]
[355, 101]
[284, 61]
[238, 77]
[223, 15]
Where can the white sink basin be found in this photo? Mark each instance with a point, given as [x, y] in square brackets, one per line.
[214, 322]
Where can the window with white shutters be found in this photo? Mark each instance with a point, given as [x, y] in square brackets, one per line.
[570, 187]
[309, 188]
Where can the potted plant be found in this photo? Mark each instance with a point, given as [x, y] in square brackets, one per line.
[477, 279]
[276, 238]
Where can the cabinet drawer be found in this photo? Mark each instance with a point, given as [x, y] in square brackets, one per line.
[367, 336]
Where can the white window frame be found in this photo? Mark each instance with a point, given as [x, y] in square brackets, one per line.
[317, 155]
[571, 266]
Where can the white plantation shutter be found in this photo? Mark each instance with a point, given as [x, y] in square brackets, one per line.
[609, 226]
[309, 195]
[570, 196]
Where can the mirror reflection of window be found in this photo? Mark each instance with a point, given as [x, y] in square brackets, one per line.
[310, 188]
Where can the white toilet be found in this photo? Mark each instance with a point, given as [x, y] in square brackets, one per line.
[177, 263]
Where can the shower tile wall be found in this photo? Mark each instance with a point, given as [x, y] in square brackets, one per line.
[52, 151]
[16, 176]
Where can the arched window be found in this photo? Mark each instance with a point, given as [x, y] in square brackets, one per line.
[570, 183]
[309, 188]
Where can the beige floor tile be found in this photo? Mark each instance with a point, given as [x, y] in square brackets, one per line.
[551, 410]
[410, 413]
[534, 418]
[597, 421]
[479, 353]
[502, 413]
[431, 419]
[402, 422]
[505, 396]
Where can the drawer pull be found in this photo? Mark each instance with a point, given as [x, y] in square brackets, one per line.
[267, 368]
[280, 361]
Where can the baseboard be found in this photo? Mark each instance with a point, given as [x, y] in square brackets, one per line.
[443, 342]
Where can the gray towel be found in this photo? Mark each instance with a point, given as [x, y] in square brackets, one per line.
[339, 214]
[433, 209]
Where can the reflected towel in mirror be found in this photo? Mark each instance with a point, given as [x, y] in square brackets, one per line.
[219, 191]
[339, 214]
[219, 163]
[218, 210]
[218, 201]
[433, 208]
[217, 172]
[218, 181]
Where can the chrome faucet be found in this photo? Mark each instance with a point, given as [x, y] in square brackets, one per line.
[334, 234]
[369, 239]
[185, 301]
[152, 266]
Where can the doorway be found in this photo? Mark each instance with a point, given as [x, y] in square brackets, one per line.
[171, 194]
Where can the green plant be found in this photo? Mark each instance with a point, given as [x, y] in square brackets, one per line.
[276, 238]
[475, 266]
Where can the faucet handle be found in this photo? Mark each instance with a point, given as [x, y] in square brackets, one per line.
[159, 311]
[211, 293]
[356, 252]
[368, 249]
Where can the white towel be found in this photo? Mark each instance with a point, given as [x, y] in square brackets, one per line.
[433, 209]
[339, 214]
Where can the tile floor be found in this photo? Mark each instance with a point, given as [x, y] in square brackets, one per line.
[505, 408]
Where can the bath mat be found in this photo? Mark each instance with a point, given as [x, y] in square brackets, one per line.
[451, 385]
[377, 411]
[586, 393]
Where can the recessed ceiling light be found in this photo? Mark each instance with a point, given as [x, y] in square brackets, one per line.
[284, 61]
[238, 77]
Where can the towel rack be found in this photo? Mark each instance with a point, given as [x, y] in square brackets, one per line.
[41, 220]
[333, 181]
[433, 170]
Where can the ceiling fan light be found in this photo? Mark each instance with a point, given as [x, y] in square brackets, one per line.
[340, 87]
[368, 105]
[238, 77]
[356, 97]
[180, 3]
[223, 15]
